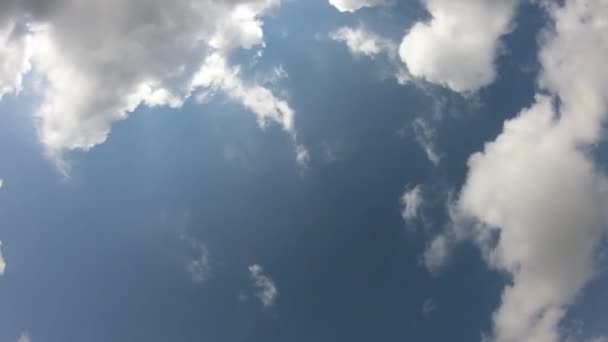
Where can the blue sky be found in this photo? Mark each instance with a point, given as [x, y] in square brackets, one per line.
[264, 170]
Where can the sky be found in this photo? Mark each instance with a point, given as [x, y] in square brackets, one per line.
[322, 170]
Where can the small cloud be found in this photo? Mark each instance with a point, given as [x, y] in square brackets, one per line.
[1, 183]
[424, 135]
[243, 297]
[359, 41]
[436, 254]
[2, 261]
[266, 289]
[198, 267]
[411, 201]
[428, 307]
[302, 156]
[24, 337]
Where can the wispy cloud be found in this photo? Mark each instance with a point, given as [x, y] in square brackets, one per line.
[266, 290]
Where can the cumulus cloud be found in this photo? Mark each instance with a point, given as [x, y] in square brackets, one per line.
[458, 46]
[1, 183]
[536, 188]
[2, 261]
[99, 60]
[354, 5]
[266, 289]
[548, 202]
[411, 200]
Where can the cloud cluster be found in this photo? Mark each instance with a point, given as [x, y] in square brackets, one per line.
[458, 46]
[354, 5]
[266, 290]
[536, 187]
[98, 60]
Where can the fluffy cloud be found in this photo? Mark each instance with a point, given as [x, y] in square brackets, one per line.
[354, 5]
[457, 47]
[536, 187]
[2, 261]
[266, 289]
[545, 198]
[99, 60]
[411, 202]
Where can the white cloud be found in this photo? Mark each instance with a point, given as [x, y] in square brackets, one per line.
[14, 56]
[354, 5]
[361, 42]
[546, 200]
[538, 190]
[24, 337]
[457, 48]
[411, 200]
[215, 74]
[1, 183]
[2, 261]
[266, 289]
[99, 60]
